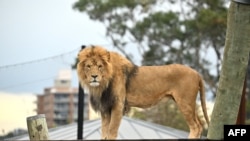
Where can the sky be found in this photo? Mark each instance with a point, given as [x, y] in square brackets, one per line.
[22, 106]
[40, 37]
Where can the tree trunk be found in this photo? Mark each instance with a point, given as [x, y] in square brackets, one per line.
[234, 66]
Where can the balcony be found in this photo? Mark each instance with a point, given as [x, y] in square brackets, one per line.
[61, 109]
[61, 100]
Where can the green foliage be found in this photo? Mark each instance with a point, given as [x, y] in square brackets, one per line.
[164, 36]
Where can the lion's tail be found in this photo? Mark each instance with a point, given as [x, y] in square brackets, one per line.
[203, 99]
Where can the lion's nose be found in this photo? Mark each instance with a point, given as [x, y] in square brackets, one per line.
[94, 76]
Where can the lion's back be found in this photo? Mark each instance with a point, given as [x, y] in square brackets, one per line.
[118, 60]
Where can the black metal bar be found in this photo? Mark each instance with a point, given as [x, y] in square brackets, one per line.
[80, 118]
[80, 113]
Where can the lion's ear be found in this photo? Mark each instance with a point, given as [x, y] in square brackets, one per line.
[108, 55]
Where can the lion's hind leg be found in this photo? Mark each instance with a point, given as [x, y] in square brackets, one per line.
[191, 117]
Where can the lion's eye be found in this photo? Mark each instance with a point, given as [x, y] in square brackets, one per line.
[88, 66]
[100, 67]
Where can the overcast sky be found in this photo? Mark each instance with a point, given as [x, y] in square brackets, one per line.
[31, 30]
[38, 38]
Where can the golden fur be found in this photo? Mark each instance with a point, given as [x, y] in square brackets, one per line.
[115, 84]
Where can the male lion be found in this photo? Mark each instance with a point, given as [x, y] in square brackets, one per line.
[115, 84]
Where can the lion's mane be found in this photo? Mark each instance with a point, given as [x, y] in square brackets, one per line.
[102, 98]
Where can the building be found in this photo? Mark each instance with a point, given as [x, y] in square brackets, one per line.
[60, 102]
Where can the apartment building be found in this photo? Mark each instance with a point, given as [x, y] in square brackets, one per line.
[59, 103]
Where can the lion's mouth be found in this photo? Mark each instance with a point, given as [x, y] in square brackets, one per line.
[94, 83]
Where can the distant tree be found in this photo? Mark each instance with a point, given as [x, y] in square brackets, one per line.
[16, 132]
[234, 68]
[9, 135]
[164, 35]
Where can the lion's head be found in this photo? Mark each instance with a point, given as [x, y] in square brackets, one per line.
[94, 69]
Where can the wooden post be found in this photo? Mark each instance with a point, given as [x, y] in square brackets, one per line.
[37, 127]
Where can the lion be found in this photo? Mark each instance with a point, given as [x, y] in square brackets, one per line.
[115, 84]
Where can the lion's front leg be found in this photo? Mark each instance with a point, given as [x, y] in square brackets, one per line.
[105, 125]
[115, 121]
